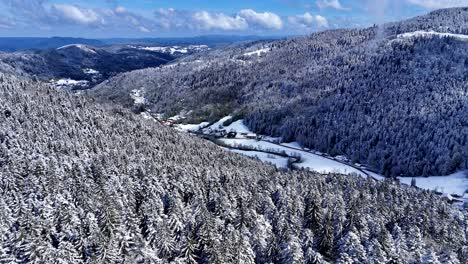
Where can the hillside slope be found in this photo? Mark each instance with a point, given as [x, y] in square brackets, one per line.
[83, 62]
[12, 44]
[82, 184]
[393, 101]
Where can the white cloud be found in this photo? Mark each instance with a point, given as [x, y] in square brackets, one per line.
[171, 18]
[439, 3]
[335, 4]
[120, 10]
[267, 20]
[123, 18]
[77, 15]
[308, 21]
[221, 21]
[42, 13]
[203, 20]
[6, 24]
[144, 29]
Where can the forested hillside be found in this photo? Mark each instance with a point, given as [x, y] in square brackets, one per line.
[393, 101]
[83, 184]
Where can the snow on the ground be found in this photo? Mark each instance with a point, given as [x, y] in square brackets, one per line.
[147, 116]
[240, 62]
[292, 145]
[456, 183]
[238, 127]
[432, 33]
[219, 125]
[177, 118]
[453, 184]
[278, 161]
[90, 71]
[375, 175]
[192, 127]
[258, 52]
[69, 83]
[80, 46]
[170, 50]
[175, 49]
[138, 97]
[309, 160]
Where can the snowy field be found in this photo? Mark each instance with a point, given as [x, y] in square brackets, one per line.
[238, 126]
[456, 183]
[69, 83]
[452, 184]
[278, 161]
[219, 124]
[308, 160]
[192, 128]
[174, 49]
[258, 52]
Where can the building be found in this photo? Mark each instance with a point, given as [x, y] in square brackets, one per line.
[232, 134]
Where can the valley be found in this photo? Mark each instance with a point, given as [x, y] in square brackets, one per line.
[377, 95]
[271, 151]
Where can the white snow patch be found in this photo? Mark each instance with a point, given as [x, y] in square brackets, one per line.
[309, 160]
[177, 118]
[80, 46]
[278, 161]
[192, 127]
[169, 50]
[238, 126]
[293, 145]
[219, 125]
[418, 34]
[456, 183]
[258, 52]
[90, 71]
[146, 116]
[175, 49]
[69, 83]
[137, 96]
[375, 175]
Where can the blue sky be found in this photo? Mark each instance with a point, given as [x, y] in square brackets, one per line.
[175, 18]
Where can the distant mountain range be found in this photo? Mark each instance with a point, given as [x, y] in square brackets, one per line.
[391, 97]
[79, 66]
[19, 43]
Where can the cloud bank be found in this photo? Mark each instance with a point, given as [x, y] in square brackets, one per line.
[108, 17]
[47, 14]
[335, 4]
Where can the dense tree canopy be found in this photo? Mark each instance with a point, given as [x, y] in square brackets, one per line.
[83, 183]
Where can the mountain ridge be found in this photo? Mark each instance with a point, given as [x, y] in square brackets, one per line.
[345, 85]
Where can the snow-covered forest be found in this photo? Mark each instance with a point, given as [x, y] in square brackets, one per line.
[393, 101]
[84, 183]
